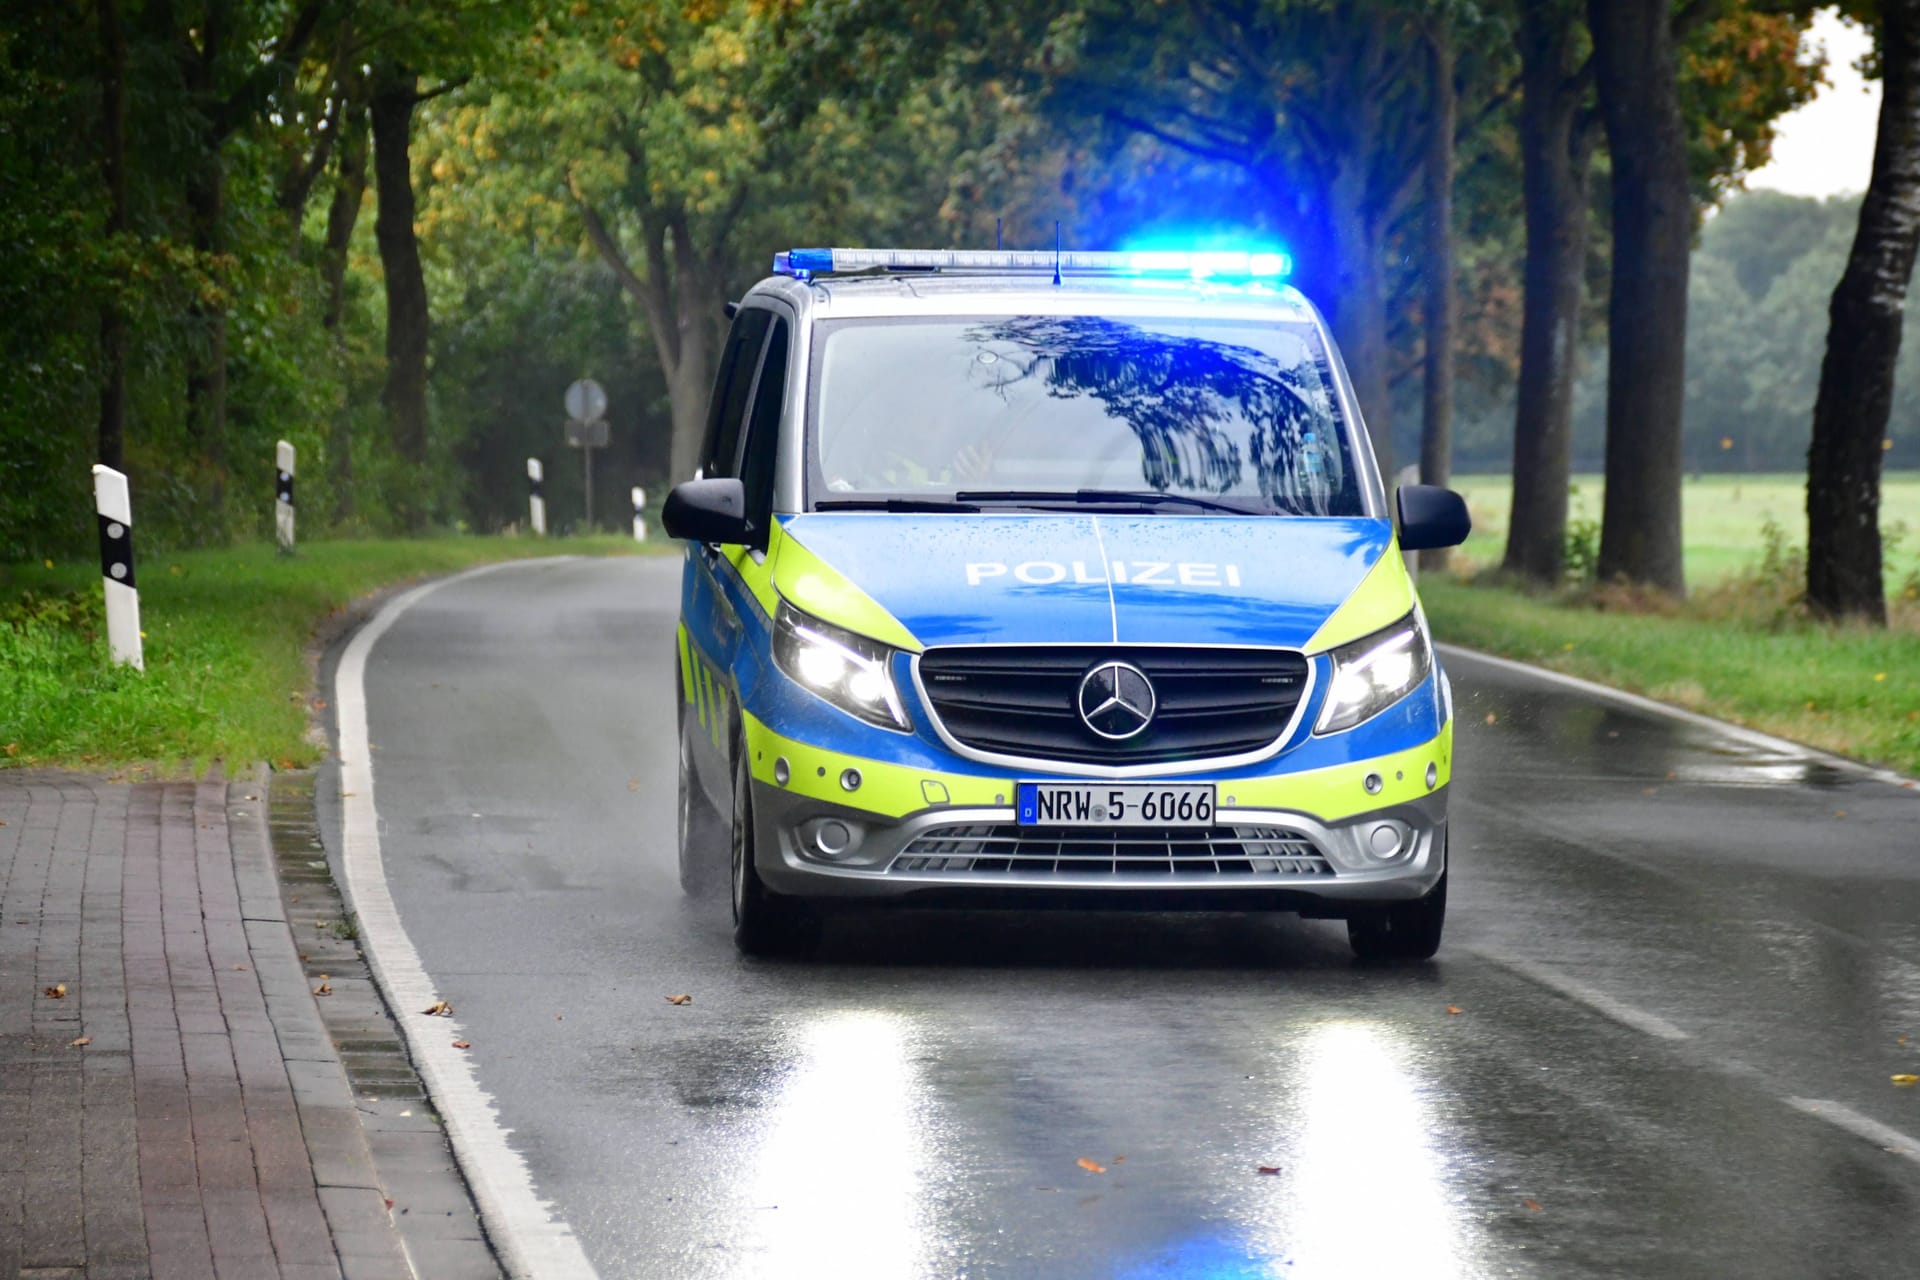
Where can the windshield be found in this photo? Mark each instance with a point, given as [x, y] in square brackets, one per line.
[1219, 415]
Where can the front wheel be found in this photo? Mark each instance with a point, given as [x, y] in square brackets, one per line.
[1400, 930]
[764, 923]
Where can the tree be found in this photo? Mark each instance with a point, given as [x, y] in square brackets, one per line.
[1636, 68]
[1556, 143]
[1863, 344]
[1437, 172]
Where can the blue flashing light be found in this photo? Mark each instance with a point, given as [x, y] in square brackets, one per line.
[1228, 265]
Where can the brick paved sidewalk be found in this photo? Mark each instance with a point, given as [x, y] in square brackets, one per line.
[180, 1110]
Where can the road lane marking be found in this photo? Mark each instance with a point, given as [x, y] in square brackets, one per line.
[531, 1239]
[1844, 1117]
[1580, 993]
[1836, 1114]
[1725, 729]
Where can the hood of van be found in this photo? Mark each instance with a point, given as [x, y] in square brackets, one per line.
[1093, 579]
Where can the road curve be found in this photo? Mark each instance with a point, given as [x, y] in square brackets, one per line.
[1680, 972]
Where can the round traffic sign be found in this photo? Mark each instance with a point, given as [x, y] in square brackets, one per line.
[586, 402]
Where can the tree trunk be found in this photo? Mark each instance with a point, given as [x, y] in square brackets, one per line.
[1359, 318]
[343, 212]
[1556, 149]
[206, 196]
[1863, 342]
[395, 93]
[1436, 409]
[113, 166]
[1636, 71]
[207, 354]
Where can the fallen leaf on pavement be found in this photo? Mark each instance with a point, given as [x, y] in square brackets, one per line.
[81, 1043]
[1839, 813]
[1454, 1008]
[239, 968]
[438, 1009]
[1901, 1040]
[58, 991]
[1091, 1166]
[1267, 1169]
[633, 784]
[1903, 1080]
[463, 1044]
[682, 999]
[325, 988]
[1532, 1204]
[1119, 1160]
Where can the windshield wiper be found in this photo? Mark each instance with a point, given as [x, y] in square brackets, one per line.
[1083, 497]
[892, 504]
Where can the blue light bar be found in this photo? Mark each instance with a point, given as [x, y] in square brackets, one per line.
[803, 264]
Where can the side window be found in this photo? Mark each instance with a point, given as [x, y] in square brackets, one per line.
[731, 386]
[763, 431]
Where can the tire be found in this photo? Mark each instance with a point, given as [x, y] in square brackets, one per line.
[703, 834]
[764, 923]
[1400, 930]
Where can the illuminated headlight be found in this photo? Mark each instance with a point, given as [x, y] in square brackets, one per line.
[1374, 672]
[848, 670]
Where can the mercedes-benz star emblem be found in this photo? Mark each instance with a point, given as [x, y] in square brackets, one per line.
[1116, 700]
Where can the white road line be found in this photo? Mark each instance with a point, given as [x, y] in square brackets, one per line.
[531, 1239]
[1579, 992]
[1837, 1114]
[1844, 1117]
[1739, 733]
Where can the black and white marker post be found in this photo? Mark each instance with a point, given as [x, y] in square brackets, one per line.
[639, 514]
[116, 566]
[536, 502]
[283, 497]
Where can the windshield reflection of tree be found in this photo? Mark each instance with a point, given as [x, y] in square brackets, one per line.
[1179, 395]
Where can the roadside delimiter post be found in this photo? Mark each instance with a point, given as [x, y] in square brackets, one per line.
[639, 514]
[116, 566]
[536, 504]
[283, 497]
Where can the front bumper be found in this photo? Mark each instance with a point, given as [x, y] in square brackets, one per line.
[815, 847]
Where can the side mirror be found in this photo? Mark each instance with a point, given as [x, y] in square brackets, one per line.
[1432, 517]
[706, 511]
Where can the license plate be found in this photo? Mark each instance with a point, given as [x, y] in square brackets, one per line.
[1052, 804]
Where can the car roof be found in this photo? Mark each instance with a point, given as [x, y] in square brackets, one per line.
[958, 294]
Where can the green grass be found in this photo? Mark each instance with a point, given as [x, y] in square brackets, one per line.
[1850, 690]
[226, 638]
[1722, 517]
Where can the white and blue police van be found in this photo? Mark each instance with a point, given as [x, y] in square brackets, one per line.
[1037, 578]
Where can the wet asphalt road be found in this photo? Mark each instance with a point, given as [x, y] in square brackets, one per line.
[1683, 968]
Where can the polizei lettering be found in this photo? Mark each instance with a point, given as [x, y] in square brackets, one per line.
[1154, 573]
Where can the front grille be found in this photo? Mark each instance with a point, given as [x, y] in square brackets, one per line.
[1020, 701]
[1135, 852]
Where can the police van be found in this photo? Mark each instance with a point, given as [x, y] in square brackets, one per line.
[1054, 578]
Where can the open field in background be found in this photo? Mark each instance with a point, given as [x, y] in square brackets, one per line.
[227, 636]
[1722, 519]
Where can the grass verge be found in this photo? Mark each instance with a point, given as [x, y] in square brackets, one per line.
[226, 639]
[1850, 690]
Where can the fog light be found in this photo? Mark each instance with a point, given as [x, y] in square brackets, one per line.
[1385, 840]
[1433, 775]
[850, 780]
[781, 772]
[832, 839]
[1373, 784]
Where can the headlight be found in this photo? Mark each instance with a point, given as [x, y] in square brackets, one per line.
[848, 670]
[1374, 672]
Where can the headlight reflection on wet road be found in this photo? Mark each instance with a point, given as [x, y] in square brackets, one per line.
[836, 1182]
[1366, 1190]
